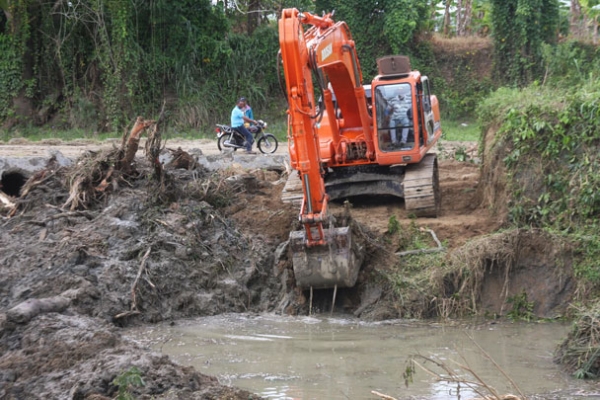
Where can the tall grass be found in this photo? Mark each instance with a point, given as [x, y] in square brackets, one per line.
[461, 131]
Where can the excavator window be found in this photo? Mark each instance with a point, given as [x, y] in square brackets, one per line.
[393, 108]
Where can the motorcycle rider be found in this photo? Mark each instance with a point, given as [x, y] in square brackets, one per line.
[238, 118]
[248, 110]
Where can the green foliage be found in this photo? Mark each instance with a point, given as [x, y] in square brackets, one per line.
[379, 27]
[10, 75]
[128, 379]
[579, 353]
[521, 310]
[552, 152]
[393, 225]
[587, 244]
[570, 63]
[519, 29]
[13, 47]
[461, 130]
[461, 97]
[480, 17]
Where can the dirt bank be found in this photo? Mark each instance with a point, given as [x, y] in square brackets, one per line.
[201, 241]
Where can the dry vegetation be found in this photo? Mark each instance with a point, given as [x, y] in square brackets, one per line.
[580, 352]
[461, 44]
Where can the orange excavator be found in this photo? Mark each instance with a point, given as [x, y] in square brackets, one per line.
[354, 140]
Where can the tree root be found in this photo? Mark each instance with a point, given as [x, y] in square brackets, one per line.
[29, 309]
[134, 308]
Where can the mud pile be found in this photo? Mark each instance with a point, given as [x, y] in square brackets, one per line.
[134, 250]
[62, 356]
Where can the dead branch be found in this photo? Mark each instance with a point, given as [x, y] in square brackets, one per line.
[383, 396]
[153, 149]
[104, 184]
[181, 159]
[424, 251]
[514, 385]
[133, 142]
[76, 196]
[127, 314]
[137, 278]
[451, 376]
[478, 385]
[5, 199]
[86, 214]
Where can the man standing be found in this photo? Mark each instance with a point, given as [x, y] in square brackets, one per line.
[238, 118]
[398, 110]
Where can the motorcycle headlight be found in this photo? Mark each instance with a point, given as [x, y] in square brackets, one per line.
[264, 125]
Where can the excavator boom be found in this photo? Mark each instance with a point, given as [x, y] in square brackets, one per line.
[322, 256]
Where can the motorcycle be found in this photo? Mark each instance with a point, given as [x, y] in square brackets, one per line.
[227, 137]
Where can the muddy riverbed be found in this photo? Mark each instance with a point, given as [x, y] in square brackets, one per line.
[88, 251]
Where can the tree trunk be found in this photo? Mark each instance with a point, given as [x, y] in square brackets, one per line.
[468, 4]
[253, 15]
[447, 18]
[459, 18]
[463, 17]
[575, 23]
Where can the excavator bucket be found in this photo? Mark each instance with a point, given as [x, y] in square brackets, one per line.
[333, 264]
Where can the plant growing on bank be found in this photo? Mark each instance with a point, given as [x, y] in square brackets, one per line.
[126, 381]
[521, 308]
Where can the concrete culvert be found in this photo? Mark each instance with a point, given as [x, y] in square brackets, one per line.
[12, 181]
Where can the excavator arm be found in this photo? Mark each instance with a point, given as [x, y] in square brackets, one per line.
[322, 256]
[302, 110]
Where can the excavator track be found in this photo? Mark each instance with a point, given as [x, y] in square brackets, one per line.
[422, 187]
[362, 181]
[419, 186]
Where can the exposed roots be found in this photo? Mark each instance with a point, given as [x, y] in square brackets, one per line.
[490, 272]
[470, 264]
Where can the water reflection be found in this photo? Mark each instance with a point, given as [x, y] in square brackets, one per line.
[283, 357]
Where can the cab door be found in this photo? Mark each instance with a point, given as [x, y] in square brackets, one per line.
[427, 109]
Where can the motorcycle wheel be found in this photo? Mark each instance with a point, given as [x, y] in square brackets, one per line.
[221, 141]
[267, 144]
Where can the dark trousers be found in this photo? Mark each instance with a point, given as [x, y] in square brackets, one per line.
[249, 138]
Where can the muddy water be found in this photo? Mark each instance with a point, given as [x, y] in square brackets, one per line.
[339, 358]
